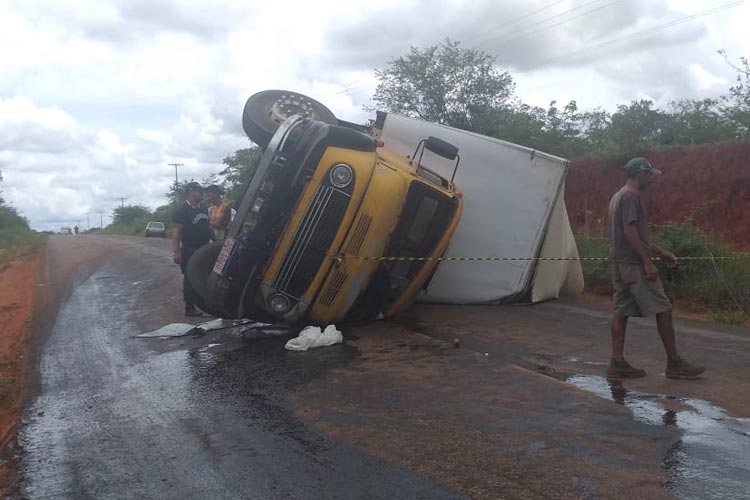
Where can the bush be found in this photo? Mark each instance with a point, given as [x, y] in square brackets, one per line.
[718, 281]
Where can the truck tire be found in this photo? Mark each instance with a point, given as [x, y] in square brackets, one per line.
[266, 110]
[200, 265]
[198, 270]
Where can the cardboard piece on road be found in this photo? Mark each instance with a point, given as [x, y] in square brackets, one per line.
[513, 207]
[183, 329]
[171, 330]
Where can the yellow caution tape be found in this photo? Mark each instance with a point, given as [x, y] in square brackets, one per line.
[500, 259]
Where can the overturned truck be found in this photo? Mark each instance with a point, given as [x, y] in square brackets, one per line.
[325, 204]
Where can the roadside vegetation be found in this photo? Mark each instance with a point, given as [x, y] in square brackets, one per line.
[464, 88]
[16, 238]
[718, 284]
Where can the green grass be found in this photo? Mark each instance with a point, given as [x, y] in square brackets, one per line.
[14, 236]
[721, 286]
[17, 242]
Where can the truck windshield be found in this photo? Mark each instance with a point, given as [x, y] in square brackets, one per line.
[424, 219]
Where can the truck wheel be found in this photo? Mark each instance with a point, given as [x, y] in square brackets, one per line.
[200, 265]
[198, 270]
[266, 110]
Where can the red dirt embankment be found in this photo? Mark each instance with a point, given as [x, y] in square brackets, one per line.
[712, 182]
[16, 296]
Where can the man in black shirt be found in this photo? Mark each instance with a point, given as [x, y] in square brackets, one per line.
[191, 230]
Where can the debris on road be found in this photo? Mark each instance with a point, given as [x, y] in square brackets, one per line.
[171, 330]
[184, 329]
[312, 336]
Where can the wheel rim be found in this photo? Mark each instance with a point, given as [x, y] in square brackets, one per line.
[288, 105]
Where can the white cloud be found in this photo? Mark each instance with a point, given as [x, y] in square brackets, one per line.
[96, 97]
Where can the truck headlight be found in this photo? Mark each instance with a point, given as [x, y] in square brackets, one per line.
[341, 175]
[279, 303]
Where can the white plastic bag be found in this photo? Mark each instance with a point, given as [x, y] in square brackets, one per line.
[312, 336]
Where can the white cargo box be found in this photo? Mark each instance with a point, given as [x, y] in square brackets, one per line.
[513, 207]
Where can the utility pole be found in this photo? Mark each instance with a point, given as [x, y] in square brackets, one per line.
[175, 165]
[122, 201]
[101, 219]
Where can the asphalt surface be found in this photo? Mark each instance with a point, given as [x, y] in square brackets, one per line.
[520, 410]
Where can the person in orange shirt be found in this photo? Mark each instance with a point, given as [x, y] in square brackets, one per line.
[219, 213]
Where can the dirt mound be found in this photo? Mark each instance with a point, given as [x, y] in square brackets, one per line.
[711, 182]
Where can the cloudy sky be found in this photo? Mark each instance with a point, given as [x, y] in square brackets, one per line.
[98, 96]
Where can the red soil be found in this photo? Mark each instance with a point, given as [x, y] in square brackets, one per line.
[712, 182]
[17, 284]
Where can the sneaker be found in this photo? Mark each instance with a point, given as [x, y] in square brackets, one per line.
[683, 369]
[192, 311]
[623, 369]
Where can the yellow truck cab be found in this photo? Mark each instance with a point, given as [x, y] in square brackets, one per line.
[325, 204]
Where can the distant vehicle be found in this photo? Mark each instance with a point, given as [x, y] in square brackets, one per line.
[66, 230]
[155, 229]
[324, 204]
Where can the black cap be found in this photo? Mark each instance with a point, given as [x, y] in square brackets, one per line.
[193, 186]
[214, 188]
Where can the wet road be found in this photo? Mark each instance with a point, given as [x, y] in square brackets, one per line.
[519, 411]
[120, 417]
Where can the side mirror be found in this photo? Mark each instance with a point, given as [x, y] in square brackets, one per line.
[441, 148]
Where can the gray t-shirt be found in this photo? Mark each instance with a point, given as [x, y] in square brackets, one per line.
[625, 208]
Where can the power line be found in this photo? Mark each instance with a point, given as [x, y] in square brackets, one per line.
[122, 201]
[514, 21]
[547, 28]
[508, 36]
[624, 38]
[359, 83]
[505, 37]
[647, 31]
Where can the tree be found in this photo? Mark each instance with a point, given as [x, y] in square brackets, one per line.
[9, 216]
[696, 121]
[443, 83]
[239, 169]
[129, 214]
[176, 193]
[636, 127]
[738, 100]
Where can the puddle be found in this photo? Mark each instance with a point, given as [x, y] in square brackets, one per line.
[711, 460]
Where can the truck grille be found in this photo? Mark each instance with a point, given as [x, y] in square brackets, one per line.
[358, 237]
[312, 241]
[337, 282]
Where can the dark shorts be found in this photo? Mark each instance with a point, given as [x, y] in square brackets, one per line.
[634, 295]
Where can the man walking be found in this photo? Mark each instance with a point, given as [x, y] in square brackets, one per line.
[219, 213]
[190, 231]
[635, 278]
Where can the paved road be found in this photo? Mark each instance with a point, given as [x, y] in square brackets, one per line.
[519, 411]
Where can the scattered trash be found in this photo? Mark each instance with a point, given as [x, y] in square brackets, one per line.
[171, 330]
[456, 343]
[222, 324]
[312, 336]
[184, 329]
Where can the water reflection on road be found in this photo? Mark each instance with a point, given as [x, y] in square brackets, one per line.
[712, 458]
